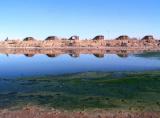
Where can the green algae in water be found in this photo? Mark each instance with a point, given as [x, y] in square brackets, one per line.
[116, 91]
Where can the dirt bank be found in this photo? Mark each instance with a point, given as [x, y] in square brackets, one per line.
[34, 112]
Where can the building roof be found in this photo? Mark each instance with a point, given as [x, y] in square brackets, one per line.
[29, 39]
[52, 38]
[123, 37]
[148, 37]
[74, 37]
[99, 37]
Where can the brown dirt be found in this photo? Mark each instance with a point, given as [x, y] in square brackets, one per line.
[34, 112]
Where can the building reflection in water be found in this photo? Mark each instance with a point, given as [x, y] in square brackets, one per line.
[73, 53]
[29, 55]
[52, 55]
[122, 55]
[99, 55]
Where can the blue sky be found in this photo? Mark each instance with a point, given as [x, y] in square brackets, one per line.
[86, 18]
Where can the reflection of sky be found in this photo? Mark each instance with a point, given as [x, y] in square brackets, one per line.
[20, 65]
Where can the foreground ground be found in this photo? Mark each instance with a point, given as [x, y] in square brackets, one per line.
[125, 94]
[33, 112]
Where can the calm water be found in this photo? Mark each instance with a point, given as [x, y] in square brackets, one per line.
[82, 90]
[13, 65]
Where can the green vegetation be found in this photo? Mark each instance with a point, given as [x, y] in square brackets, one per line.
[114, 91]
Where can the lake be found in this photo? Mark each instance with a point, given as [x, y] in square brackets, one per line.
[123, 81]
[20, 65]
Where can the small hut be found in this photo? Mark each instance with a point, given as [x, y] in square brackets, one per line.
[123, 37]
[150, 37]
[99, 37]
[29, 39]
[74, 38]
[51, 38]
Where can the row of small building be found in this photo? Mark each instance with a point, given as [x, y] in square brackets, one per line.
[99, 37]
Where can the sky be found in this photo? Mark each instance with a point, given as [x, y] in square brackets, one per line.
[86, 18]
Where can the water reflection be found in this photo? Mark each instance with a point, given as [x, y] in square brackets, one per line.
[99, 55]
[29, 55]
[63, 51]
[52, 55]
[122, 55]
[29, 62]
[155, 55]
[71, 55]
[75, 53]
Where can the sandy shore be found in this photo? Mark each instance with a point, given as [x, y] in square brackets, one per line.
[34, 112]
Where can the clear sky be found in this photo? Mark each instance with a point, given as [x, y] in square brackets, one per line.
[86, 18]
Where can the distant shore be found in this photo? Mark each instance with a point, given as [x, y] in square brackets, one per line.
[99, 42]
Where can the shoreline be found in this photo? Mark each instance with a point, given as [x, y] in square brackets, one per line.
[88, 48]
[75, 51]
[38, 112]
